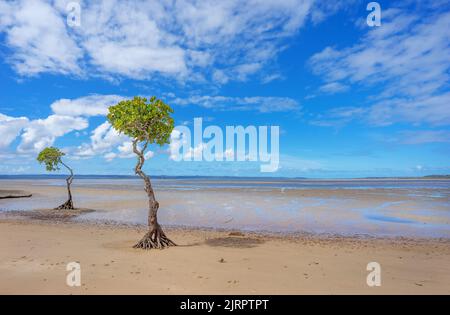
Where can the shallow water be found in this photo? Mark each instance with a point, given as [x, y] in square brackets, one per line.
[410, 208]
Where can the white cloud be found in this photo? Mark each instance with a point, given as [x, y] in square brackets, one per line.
[10, 127]
[68, 115]
[323, 9]
[220, 77]
[333, 87]
[149, 155]
[92, 105]
[421, 137]
[339, 116]
[38, 35]
[408, 57]
[125, 151]
[259, 103]
[41, 133]
[110, 156]
[104, 139]
[139, 39]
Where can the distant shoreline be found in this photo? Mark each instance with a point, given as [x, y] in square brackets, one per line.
[251, 178]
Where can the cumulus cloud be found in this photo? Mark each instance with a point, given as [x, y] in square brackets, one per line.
[103, 140]
[92, 105]
[41, 133]
[68, 115]
[124, 151]
[258, 103]
[38, 36]
[10, 127]
[408, 57]
[107, 142]
[226, 40]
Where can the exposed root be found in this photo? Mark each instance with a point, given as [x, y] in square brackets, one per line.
[155, 239]
[68, 205]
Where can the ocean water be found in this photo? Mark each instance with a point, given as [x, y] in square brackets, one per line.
[197, 182]
[375, 207]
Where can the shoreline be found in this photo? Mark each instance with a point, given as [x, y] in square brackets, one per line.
[59, 217]
[51, 216]
[206, 177]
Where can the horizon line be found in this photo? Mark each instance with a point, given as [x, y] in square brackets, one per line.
[431, 176]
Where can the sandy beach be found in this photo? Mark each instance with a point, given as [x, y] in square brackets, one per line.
[34, 255]
[404, 229]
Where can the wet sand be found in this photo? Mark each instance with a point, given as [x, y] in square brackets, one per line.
[34, 255]
[381, 211]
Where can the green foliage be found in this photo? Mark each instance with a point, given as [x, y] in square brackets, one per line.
[51, 157]
[143, 120]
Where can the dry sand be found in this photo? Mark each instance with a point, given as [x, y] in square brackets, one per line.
[34, 254]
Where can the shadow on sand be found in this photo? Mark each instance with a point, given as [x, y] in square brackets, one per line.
[235, 242]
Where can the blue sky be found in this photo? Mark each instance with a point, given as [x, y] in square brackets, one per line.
[351, 100]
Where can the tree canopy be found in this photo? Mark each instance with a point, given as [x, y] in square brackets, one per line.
[143, 119]
[51, 157]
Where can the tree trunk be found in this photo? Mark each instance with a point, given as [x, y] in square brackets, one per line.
[155, 237]
[68, 205]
